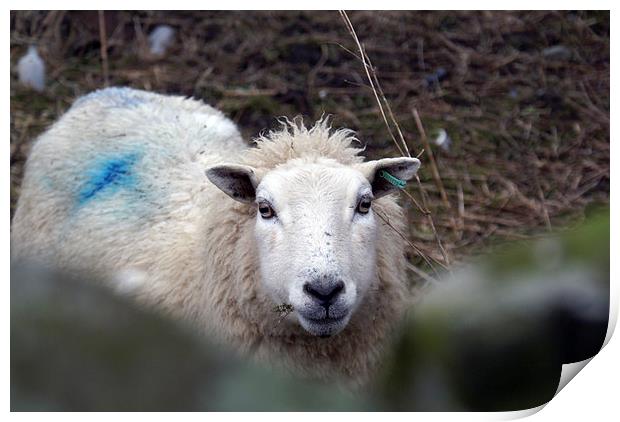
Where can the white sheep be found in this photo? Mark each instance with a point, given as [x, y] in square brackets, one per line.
[120, 185]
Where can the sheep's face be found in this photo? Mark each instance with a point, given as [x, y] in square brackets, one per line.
[316, 233]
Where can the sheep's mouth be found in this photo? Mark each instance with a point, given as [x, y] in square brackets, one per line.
[323, 327]
[327, 320]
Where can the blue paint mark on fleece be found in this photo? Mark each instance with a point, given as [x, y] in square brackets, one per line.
[108, 175]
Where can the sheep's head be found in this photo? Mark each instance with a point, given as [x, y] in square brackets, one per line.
[316, 231]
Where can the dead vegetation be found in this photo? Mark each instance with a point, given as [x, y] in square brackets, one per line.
[523, 96]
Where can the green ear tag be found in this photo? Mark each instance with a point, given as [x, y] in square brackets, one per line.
[393, 180]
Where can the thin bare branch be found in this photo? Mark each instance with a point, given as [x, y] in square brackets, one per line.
[349, 25]
[431, 222]
[431, 158]
[413, 246]
[104, 48]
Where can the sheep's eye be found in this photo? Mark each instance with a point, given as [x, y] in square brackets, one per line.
[364, 206]
[265, 210]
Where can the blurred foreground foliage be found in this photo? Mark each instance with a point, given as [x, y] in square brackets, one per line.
[493, 336]
[76, 346]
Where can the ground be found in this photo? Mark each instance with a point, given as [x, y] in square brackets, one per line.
[523, 96]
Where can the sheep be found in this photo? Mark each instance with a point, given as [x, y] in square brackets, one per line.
[222, 235]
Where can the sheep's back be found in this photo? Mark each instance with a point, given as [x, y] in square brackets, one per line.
[119, 182]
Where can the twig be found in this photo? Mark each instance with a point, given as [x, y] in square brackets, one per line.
[461, 208]
[104, 48]
[387, 105]
[543, 205]
[413, 246]
[370, 79]
[431, 158]
[283, 311]
[376, 88]
[416, 203]
[431, 223]
[421, 273]
[252, 92]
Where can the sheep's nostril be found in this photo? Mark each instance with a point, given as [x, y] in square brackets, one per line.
[324, 294]
[337, 288]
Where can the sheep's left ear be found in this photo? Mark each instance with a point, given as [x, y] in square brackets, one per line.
[237, 181]
[389, 174]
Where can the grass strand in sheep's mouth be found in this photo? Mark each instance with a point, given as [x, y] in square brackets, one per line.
[284, 309]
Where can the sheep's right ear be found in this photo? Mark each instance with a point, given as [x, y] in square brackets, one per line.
[237, 181]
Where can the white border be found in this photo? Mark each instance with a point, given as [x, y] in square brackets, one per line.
[592, 392]
[313, 5]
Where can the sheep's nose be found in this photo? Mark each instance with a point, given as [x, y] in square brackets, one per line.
[324, 293]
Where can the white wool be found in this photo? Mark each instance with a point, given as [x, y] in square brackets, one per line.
[129, 280]
[31, 70]
[118, 184]
[160, 39]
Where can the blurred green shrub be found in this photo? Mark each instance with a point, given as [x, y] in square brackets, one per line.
[495, 334]
[77, 347]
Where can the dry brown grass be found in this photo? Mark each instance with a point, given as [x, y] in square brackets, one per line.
[530, 127]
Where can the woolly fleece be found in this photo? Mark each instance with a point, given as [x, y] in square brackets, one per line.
[118, 184]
